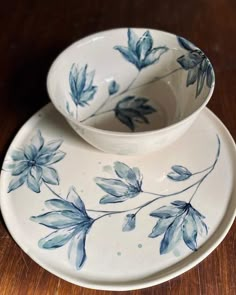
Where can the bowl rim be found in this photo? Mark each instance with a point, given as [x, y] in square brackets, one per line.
[120, 133]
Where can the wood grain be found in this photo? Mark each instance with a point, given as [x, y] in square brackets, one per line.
[33, 33]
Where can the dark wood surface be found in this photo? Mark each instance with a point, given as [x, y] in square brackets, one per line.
[33, 33]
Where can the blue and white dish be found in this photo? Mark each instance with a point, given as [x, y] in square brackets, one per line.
[131, 91]
[117, 222]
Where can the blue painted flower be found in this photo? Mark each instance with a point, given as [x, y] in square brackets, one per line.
[197, 64]
[131, 110]
[179, 173]
[71, 223]
[140, 51]
[179, 221]
[128, 186]
[81, 85]
[32, 164]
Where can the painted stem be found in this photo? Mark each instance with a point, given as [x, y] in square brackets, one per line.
[128, 87]
[156, 79]
[106, 100]
[160, 196]
[199, 172]
[212, 168]
[57, 195]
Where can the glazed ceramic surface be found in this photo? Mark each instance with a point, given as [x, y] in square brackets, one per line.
[117, 222]
[131, 91]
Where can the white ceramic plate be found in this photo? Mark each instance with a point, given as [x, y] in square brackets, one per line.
[94, 220]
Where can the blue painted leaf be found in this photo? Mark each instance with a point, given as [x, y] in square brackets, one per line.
[192, 76]
[133, 109]
[210, 76]
[138, 175]
[113, 87]
[129, 223]
[166, 212]
[108, 199]
[8, 166]
[57, 204]
[50, 175]
[191, 60]
[76, 251]
[18, 155]
[132, 40]
[125, 120]
[201, 225]
[180, 173]
[113, 187]
[185, 43]
[72, 80]
[37, 140]
[196, 212]
[186, 62]
[30, 152]
[144, 45]
[17, 181]
[75, 199]
[81, 79]
[128, 55]
[81, 85]
[172, 235]
[88, 95]
[189, 229]
[178, 203]
[54, 219]
[201, 77]
[44, 159]
[56, 157]
[181, 169]
[89, 80]
[19, 168]
[33, 178]
[56, 239]
[68, 109]
[161, 226]
[51, 147]
[125, 172]
[80, 219]
[154, 55]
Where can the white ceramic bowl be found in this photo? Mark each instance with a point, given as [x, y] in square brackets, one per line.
[131, 91]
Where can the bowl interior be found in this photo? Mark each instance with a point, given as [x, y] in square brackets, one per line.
[130, 80]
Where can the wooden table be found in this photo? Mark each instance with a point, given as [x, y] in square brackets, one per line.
[33, 33]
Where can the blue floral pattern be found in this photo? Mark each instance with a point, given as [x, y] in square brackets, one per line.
[127, 186]
[197, 65]
[82, 89]
[179, 221]
[140, 51]
[131, 110]
[71, 223]
[179, 173]
[32, 164]
[70, 220]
